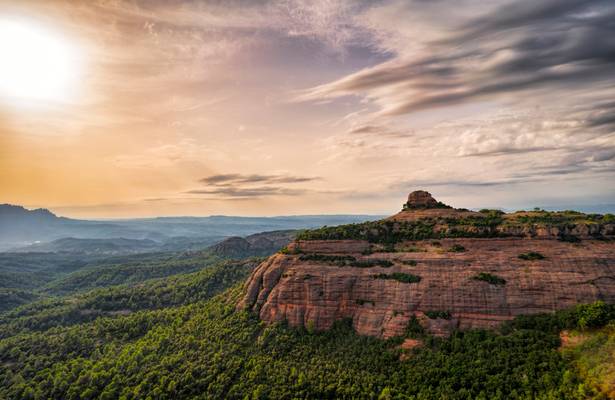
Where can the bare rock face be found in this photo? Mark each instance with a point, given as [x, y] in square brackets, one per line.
[315, 294]
[421, 199]
[382, 285]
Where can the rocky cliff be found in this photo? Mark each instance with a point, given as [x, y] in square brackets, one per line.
[450, 269]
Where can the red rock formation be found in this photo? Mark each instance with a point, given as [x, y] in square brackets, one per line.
[421, 199]
[314, 293]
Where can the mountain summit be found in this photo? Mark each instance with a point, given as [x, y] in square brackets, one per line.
[421, 199]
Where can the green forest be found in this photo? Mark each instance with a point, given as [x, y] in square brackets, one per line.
[181, 336]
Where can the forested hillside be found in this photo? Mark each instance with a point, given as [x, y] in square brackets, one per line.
[168, 338]
[167, 326]
[29, 276]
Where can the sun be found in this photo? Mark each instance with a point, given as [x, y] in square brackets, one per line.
[36, 64]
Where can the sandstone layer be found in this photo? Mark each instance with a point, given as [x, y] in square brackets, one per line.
[315, 291]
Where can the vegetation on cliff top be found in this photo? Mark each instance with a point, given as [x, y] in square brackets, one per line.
[390, 232]
[436, 205]
[488, 223]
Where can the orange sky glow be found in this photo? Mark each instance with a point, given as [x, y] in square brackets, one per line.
[154, 108]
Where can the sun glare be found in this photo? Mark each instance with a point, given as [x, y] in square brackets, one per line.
[36, 64]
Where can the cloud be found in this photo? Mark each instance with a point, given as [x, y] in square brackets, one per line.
[252, 185]
[463, 183]
[239, 179]
[264, 191]
[524, 47]
[467, 94]
[379, 130]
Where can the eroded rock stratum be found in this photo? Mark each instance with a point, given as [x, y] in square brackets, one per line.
[451, 269]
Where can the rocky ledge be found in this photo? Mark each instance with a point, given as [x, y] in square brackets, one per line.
[382, 279]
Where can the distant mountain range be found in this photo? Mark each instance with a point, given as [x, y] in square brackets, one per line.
[39, 230]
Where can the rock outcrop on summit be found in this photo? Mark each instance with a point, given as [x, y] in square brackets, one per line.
[448, 268]
[422, 199]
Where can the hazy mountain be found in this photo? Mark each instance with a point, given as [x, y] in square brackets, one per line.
[20, 227]
[93, 246]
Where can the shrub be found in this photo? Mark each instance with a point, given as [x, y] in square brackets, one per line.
[594, 315]
[439, 204]
[457, 248]
[389, 248]
[400, 276]
[438, 314]
[361, 302]
[531, 255]
[414, 328]
[489, 278]
[564, 237]
[412, 263]
[345, 261]
[489, 211]
[372, 262]
[328, 259]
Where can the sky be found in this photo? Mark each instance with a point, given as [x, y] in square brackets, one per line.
[154, 108]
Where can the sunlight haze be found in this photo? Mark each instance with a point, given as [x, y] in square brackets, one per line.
[146, 108]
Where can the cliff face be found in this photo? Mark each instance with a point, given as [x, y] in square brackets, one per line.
[447, 284]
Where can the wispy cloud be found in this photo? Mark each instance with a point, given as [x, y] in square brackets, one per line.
[519, 47]
[347, 97]
[252, 185]
[239, 179]
[265, 191]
